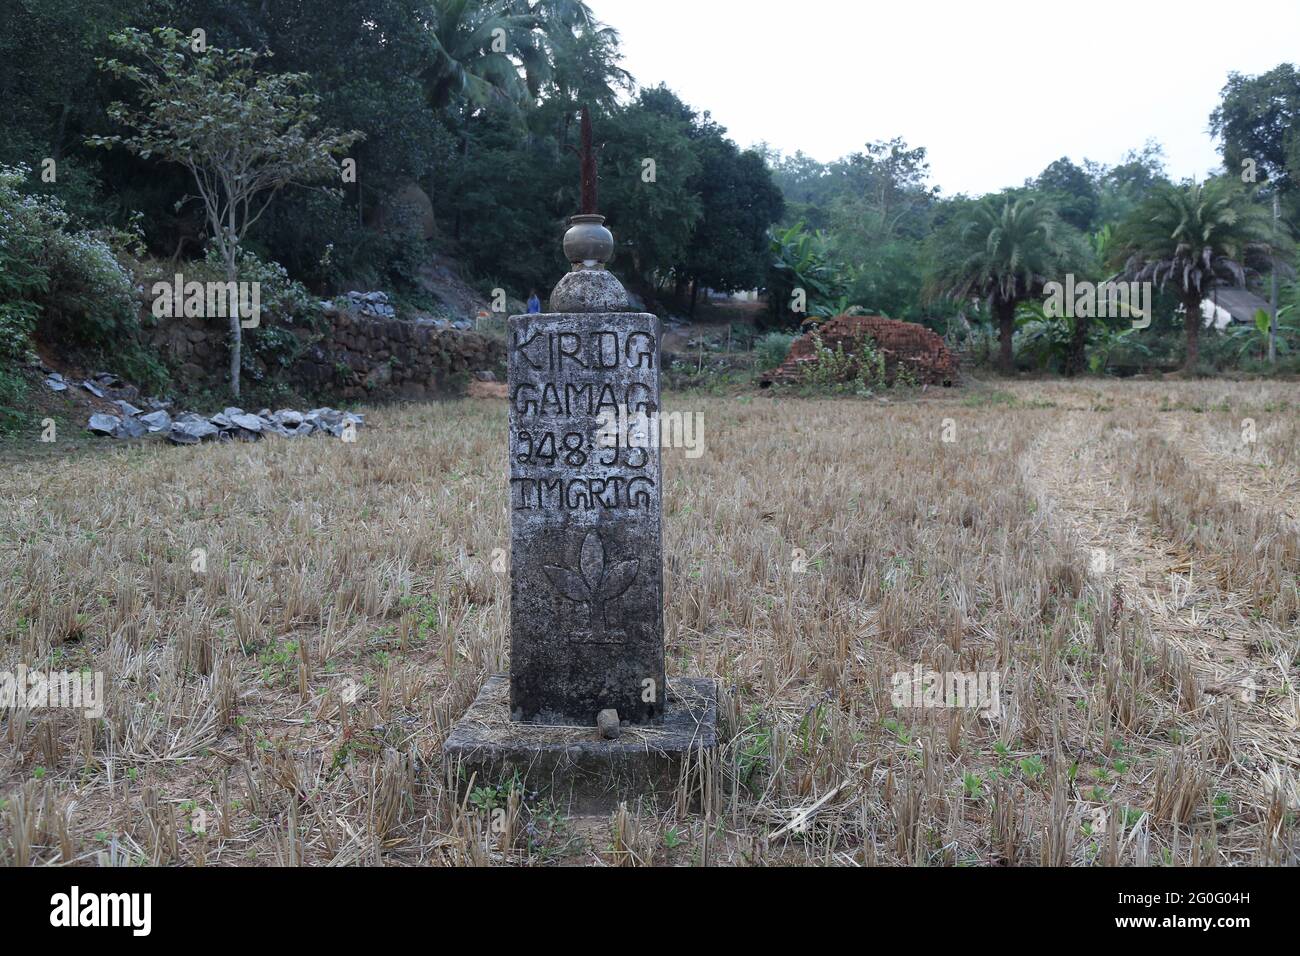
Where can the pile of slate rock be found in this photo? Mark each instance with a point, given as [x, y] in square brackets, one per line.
[230, 424]
[369, 303]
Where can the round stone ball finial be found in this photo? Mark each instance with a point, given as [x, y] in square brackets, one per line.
[587, 243]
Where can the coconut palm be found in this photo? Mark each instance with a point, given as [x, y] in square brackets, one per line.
[583, 53]
[1191, 236]
[478, 50]
[1002, 249]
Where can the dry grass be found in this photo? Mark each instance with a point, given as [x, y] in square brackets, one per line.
[287, 705]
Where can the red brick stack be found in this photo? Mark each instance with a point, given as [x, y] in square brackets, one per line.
[904, 344]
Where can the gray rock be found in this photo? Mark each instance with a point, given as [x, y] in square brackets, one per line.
[104, 424]
[191, 429]
[231, 411]
[288, 417]
[485, 376]
[130, 428]
[55, 383]
[370, 303]
[250, 423]
[127, 408]
[589, 291]
[158, 421]
[92, 388]
[607, 721]
[222, 421]
[462, 325]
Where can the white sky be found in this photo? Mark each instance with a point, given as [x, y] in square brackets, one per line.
[994, 89]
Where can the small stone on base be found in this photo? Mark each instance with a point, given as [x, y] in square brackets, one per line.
[607, 721]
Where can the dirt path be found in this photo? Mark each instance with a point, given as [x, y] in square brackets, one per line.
[1074, 469]
[1249, 478]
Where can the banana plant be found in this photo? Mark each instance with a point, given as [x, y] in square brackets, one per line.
[1255, 336]
[800, 259]
[1049, 338]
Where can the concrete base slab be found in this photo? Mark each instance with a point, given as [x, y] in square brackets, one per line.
[575, 767]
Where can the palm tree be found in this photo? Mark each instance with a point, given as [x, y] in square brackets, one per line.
[478, 50]
[1192, 235]
[583, 54]
[509, 50]
[1002, 249]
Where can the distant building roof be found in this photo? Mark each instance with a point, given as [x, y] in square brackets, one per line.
[1238, 302]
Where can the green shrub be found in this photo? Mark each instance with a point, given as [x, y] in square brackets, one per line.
[76, 291]
[17, 320]
[91, 299]
[859, 370]
[772, 349]
[13, 395]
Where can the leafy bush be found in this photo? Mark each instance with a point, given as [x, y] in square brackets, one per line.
[91, 298]
[772, 349]
[17, 319]
[800, 259]
[859, 370]
[283, 303]
[74, 288]
[281, 297]
[13, 394]
[24, 221]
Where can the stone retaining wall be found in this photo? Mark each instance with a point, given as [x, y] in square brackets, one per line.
[350, 355]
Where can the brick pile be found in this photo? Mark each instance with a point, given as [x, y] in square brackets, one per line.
[904, 344]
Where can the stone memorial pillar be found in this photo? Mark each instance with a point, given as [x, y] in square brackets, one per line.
[586, 563]
[586, 712]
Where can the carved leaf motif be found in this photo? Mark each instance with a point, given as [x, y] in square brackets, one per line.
[618, 580]
[592, 561]
[568, 583]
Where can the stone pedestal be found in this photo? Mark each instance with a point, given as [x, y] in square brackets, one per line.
[574, 767]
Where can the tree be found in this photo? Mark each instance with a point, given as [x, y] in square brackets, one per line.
[583, 55]
[729, 248]
[801, 260]
[652, 208]
[243, 136]
[1002, 249]
[1072, 192]
[1191, 236]
[477, 51]
[1258, 120]
[880, 213]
